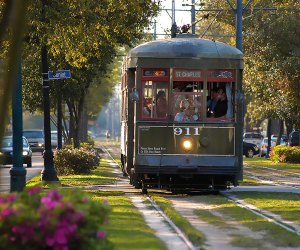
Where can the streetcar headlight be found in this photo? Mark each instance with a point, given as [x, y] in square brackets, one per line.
[187, 144]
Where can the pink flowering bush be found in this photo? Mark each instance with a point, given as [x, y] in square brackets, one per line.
[58, 220]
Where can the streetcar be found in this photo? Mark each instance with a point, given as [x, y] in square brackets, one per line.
[171, 137]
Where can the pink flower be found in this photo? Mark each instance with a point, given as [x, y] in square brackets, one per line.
[60, 237]
[6, 212]
[48, 203]
[101, 234]
[34, 190]
[11, 197]
[50, 240]
[85, 199]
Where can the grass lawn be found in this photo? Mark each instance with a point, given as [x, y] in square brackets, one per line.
[231, 214]
[287, 205]
[257, 162]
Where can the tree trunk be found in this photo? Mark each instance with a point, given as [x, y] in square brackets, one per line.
[280, 132]
[289, 127]
[269, 137]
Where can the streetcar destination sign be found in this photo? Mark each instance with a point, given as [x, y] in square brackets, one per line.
[60, 74]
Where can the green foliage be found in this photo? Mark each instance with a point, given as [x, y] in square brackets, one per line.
[69, 160]
[285, 154]
[67, 219]
[271, 52]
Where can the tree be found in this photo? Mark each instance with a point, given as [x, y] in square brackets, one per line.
[271, 53]
[80, 35]
[273, 60]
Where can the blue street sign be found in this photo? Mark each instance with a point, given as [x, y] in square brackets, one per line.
[61, 74]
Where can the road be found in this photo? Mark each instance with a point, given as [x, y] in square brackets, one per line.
[37, 166]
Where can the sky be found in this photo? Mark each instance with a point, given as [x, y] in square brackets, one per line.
[164, 20]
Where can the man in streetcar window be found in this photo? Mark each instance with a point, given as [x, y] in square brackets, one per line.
[161, 108]
[220, 109]
[212, 102]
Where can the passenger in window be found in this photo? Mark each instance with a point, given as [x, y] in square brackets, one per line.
[212, 102]
[146, 109]
[220, 109]
[188, 113]
[178, 86]
[161, 104]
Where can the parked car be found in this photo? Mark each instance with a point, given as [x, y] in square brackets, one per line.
[294, 139]
[250, 149]
[253, 137]
[264, 145]
[54, 139]
[35, 138]
[6, 152]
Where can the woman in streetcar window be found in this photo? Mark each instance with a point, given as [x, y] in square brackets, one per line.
[161, 108]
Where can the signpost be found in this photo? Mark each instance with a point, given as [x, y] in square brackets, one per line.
[59, 75]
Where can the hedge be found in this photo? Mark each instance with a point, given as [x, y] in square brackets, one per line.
[285, 154]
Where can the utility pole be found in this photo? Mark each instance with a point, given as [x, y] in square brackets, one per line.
[17, 172]
[14, 77]
[239, 24]
[174, 26]
[193, 17]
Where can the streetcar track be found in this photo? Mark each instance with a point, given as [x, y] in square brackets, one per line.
[271, 217]
[176, 230]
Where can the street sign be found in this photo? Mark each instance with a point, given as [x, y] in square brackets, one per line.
[61, 74]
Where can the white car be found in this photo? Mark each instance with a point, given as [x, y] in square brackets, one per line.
[54, 139]
[264, 145]
[253, 137]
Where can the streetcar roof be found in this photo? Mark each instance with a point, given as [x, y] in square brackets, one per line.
[185, 48]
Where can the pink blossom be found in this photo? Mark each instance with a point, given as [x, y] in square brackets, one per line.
[61, 247]
[34, 190]
[11, 197]
[48, 203]
[6, 212]
[101, 234]
[50, 240]
[60, 236]
[85, 199]
[54, 194]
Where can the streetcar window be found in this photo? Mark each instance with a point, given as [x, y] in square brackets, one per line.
[187, 101]
[155, 100]
[220, 101]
